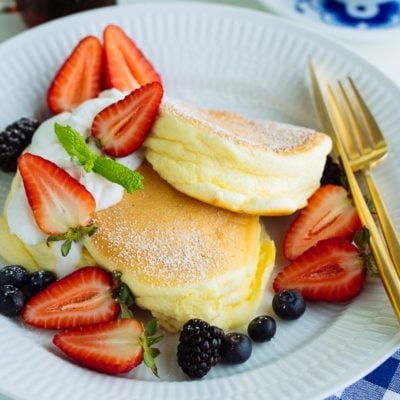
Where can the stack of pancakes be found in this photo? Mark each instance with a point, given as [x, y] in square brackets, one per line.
[184, 258]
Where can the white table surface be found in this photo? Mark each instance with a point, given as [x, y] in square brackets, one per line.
[383, 53]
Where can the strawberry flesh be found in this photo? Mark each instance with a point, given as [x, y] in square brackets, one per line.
[79, 78]
[122, 127]
[57, 200]
[331, 271]
[81, 298]
[126, 68]
[328, 214]
[111, 347]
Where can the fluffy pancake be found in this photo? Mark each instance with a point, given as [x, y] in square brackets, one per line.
[254, 167]
[183, 258]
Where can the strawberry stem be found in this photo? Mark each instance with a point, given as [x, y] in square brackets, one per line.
[72, 235]
[148, 339]
[123, 296]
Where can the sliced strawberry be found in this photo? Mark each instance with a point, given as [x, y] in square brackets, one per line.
[332, 271]
[122, 127]
[126, 67]
[328, 214]
[79, 78]
[81, 298]
[111, 347]
[58, 201]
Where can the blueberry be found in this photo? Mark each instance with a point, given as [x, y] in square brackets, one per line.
[15, 275]
[236, 348]
[40, 280]
[262, 328]
[289, 304]
[12, 300]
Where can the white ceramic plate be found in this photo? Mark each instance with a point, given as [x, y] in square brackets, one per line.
[237, 60]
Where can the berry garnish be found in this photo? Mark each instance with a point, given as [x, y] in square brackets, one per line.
[289, 304]
[332, 270]
[39, 280]
[13, 141]
[199, 348]
[75, 146]
[79, 78]
[329, 213]
[112, 347]
[81, 298]
[61, 206]
[262, 328]
[126, 68]
[15, 275]
[122, 127]
[236, 348]
[333, 173]
[12, 300]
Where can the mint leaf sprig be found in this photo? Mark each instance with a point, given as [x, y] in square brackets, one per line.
[76, 147]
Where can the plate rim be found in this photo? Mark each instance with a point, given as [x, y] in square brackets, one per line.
[391, 345]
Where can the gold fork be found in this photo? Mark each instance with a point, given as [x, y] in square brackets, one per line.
[365, 146]
[327, 110]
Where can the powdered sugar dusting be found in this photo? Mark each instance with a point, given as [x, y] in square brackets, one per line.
[269, 135]
[170, 254]
[168, 239]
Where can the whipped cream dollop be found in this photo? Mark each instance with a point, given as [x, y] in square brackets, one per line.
[45, 144]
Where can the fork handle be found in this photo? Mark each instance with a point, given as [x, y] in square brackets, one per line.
[389, 231]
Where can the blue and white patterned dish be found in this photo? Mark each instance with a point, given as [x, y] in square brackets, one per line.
[359, 14]
[359, 19]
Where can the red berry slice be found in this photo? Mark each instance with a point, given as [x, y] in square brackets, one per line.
[122, 127]
[79, 78]
[57, 200]
[126, 66]
[328, 214]
[332, 271]
[82, 298]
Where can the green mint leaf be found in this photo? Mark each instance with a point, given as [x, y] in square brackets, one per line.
[118, 173]
[74, 144]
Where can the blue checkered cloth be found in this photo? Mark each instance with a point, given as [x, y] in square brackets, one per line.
[381, 384]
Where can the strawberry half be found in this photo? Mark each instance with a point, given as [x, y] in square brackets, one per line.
[331, 271]
[328, 214]
[81, 298]
[122, 127]
[126, 67]
[113, 347]
[58, 201]
[79, 78]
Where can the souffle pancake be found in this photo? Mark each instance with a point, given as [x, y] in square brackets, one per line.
[183, 258]
[225, 159]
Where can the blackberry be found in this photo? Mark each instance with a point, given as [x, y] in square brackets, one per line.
[13, 141]
[199, 347]
[333, 173]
